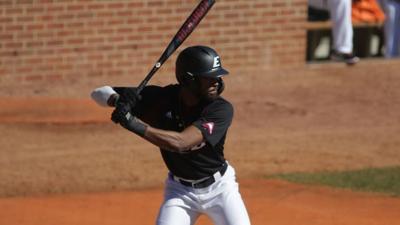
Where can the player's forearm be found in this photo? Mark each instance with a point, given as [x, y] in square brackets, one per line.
[169, 140]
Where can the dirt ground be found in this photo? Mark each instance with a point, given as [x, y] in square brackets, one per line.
[63, 162]
[268, 202]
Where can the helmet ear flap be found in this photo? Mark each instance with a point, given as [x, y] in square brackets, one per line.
[188, 78]
[221, 86]
[184, 77]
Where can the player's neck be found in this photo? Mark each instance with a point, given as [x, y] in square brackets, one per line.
[188, 98]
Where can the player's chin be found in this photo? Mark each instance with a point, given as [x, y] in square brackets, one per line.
[211, 94]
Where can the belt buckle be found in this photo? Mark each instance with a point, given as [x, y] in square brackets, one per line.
[192, 184]
[216, 176]
[205, 182]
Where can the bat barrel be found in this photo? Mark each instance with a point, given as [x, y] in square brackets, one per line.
[186, 29]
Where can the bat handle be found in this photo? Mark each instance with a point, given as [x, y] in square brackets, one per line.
[147, 78]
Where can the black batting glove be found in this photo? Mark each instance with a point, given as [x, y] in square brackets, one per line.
[129, 96]
[122, 115]
[120, 111]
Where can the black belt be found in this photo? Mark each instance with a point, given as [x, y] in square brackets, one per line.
[203, 183]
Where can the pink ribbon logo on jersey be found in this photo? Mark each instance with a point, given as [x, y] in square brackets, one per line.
[208, 126]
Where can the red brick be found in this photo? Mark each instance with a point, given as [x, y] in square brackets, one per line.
[131, 33]
[162, 11]
[85, 32]
[145, 29]
[85, 15]
[158, 4]
[33, 78]
[115, 72]
[115, 39]
[54, 60]
[54, 77]
[95, 57]
[14, 11]
[108, 13]
[155, 20]
[55, 43]
[24, 1]
[55, 8]
[6, 19]
[6, 37]
[6, 2]
[125, 30]
[24, 69]
[33, 44]
[65, 33]
[105, 31]
[116, 5]
[96, 6]
[136, 37]
[135, 20]
[53, 26]
[146, 12]
[36, 9]
[62, 17]
[117, 21]
[95, 40]
[75, 25]
[16, 27]
[154, 37]
[124, 13]
[95, 24]
[13, 44]
[75, 41]
[64, 67]
[76, 7]
[135, 5]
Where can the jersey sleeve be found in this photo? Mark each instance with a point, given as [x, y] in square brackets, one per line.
[147, 108]
[215, 121]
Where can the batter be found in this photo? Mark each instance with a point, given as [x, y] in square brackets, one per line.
[188, 121]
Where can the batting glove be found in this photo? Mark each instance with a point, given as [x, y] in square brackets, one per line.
[122, 115]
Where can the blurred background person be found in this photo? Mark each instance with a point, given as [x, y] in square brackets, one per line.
[342, 30]
[392, 27]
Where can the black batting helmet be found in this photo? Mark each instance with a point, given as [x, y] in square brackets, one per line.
[199, 61]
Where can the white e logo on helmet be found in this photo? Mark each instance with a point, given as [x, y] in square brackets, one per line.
[216, 62]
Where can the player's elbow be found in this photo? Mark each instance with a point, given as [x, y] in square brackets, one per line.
[174, 141]
[178, 145]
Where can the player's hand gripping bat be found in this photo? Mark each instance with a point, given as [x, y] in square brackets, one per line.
[186, 29]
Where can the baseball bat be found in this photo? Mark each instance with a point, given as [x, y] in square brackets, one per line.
[186, 29]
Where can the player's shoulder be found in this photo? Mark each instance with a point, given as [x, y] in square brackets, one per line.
[158, 91]
[155, 88]
[221, 105]
[220, 101]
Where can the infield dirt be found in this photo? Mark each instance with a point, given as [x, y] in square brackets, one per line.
[63, 162]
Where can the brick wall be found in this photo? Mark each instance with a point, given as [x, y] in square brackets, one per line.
[59, 40]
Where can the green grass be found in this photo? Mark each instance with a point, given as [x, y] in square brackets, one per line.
[382, 180]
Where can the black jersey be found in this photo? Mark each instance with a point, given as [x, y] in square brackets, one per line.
[161, 108]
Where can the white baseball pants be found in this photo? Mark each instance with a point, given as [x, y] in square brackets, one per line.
[221, 201]
[342, 30]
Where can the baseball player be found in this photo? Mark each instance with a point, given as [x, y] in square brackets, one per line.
[340, 13]
[188, 121]
[391, 27]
